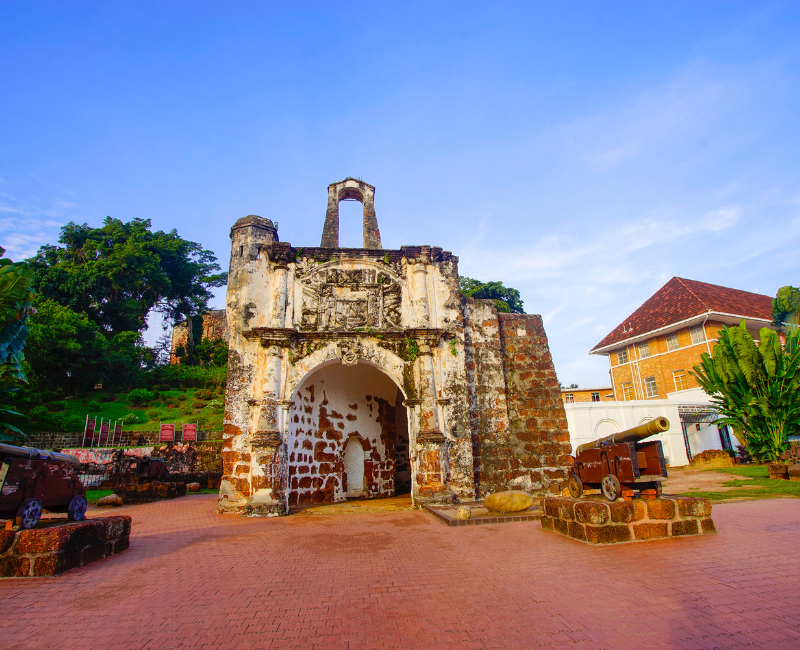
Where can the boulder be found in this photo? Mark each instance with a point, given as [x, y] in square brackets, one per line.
[509, 501]
[111, 500]
[463, 513]
[192, 487]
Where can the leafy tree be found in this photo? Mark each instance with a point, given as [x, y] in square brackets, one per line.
[118, 273]
[70, 352]
[505, 298]
[755, 388]
[16, 298]
[786, 309]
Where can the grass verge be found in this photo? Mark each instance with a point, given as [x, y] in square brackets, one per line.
[93, 495]
[757, 486]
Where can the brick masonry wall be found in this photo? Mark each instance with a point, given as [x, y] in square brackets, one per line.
[488, 411]
[662, 363]
[533, 453]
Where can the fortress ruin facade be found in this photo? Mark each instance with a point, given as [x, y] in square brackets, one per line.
[363, 372]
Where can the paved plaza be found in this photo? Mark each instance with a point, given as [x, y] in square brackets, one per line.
[195, 579]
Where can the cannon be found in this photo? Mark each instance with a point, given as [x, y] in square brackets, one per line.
[621, 461]
[32, 480]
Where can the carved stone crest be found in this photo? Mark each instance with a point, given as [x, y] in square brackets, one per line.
[336, 299]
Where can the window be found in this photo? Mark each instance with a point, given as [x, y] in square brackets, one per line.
[672, 342]
[569, 398]
[698, 335]
[650, 387]
[595, 397]
[627, 391]
[644, 350]
[681, 383]
[622, 357]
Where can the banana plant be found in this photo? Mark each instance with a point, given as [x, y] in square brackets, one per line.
[755, 388]
[786, 309]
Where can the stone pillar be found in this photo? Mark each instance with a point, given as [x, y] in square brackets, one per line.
[270, 469]
[330, 231]
[372, 236]
[281, 274]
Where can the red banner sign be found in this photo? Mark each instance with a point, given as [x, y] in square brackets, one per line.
[104, 432]
[189, 432]
[167, 433]
[117, 439]
[89, 435]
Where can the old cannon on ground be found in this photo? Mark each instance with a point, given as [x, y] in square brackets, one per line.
[621, 461]
[32, 480]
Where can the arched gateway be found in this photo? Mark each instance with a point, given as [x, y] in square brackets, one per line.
[360, 373]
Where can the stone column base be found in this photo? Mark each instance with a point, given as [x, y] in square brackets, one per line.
[598, 521]
[437, 494]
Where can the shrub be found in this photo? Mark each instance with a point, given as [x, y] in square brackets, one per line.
[108, 397]
[72, 423]
[60, 405]
[38, 412]
[181, 397]
[197, 404]
[216, 405]
[187, 409]
[140, 397]
[153, 414]
[131, 418]
[93, 406]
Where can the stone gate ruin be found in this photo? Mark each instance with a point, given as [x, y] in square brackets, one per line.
[362, 372]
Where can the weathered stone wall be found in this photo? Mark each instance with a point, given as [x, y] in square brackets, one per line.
[488, 410]
[537, 449]
[334, 404]
[215, 326]
[55, 549]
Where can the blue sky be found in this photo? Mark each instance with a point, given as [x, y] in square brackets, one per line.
[583, 153]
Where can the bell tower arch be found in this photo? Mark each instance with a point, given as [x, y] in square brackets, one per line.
[351, 189]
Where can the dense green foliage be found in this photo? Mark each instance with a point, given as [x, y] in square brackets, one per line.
[505, 298]
[16, 298]
[755, 388]
[786, 309]
[117, 273]
[205, 353]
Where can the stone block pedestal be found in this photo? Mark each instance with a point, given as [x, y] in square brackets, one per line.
[53, 549]
[598, 521]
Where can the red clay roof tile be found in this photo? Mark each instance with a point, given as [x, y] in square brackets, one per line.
[680, 299]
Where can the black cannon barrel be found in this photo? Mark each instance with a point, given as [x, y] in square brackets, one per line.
[635, 434]
[36, 454]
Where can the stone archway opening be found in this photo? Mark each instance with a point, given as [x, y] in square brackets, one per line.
[347, 436]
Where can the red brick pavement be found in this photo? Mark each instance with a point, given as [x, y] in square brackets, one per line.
[194, 579]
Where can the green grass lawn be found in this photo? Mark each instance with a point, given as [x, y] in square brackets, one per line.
[121, 410]
[760, 486]
[93, 495]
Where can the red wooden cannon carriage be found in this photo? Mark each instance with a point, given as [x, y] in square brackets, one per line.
[32, 480]
[621, 461]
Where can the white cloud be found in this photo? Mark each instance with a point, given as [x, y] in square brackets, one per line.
[32, 225]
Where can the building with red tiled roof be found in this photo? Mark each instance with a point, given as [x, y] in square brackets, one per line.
[653, 349]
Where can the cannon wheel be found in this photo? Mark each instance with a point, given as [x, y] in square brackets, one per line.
[610, 487]
[28, 513]
[575, 486]
[76, 511]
